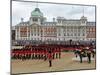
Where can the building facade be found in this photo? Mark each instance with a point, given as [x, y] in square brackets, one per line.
[60, 29]
[91, 31]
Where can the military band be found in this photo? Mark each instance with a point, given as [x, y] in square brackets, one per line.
[48, 53]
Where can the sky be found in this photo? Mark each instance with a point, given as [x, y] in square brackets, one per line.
[50, 11]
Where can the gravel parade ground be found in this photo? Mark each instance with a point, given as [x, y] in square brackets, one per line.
[36, 65]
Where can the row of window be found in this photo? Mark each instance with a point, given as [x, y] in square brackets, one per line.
[36, 34]
[71, 30]
[91, 35]
[65, 30]
[72, 22]
[50, 33]
[59, 39]
[50, 24]
[24, 24]
[35, 19]
[91, 29]
[69, 34]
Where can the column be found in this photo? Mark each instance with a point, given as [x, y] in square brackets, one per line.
[27, 33]
[43, 33]
[16, 34]
[19, 33]
[30, 34]
[85, 32]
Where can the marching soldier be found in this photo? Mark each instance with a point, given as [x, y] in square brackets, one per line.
[59, 53]
[22, 56]
[39, 53]
[42, 53]
[56, 53]
[33, 53]
[50, 58]
[45, 54]
[53, 53]
[26, 55]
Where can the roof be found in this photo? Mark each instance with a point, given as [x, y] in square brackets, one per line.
[71, 21]
[36, 12]
[49, 23]
[91, 23]
[23, 23]
[83, 17]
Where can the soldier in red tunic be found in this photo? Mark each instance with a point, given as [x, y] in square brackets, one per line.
[56, 52]
[59, 53]
[50, 58]
[53, 51]
[45, 54]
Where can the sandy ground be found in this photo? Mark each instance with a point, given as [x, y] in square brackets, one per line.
[65, 63]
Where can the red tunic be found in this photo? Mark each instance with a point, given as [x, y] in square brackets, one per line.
[49, 56]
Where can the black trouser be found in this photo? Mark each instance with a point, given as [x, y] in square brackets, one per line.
[80, 58]
[23, 58]
[20, 57]
[53, 56]
[32, 56]
[39, 56]
[56, 55]
[59, 55]
[76, 55]
[35, 56]
[93, 55]
[45, 58]
[89, 58]
[29, 56]
[50, 63]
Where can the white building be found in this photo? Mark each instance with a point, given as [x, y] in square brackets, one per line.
[60, 29]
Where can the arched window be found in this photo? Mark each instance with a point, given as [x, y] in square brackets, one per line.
[35, 19]
[83, 21]
[64, 34]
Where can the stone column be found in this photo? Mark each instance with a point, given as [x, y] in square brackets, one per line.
[19, 33]
[30, 33]
[27, 33]
[16, 33]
